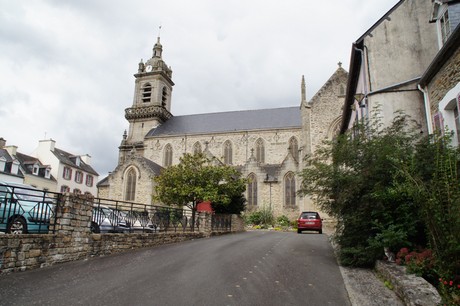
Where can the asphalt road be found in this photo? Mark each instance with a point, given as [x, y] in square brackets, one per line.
[252, 268]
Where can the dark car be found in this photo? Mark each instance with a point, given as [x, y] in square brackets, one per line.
[309, 221]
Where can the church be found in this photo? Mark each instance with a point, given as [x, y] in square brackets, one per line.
[266, 145]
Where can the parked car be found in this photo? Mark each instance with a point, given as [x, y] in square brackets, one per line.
[309, 221]
[139, 221]
[107, 220]
[24, 209]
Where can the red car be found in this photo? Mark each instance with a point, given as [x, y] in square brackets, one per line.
[309, 221]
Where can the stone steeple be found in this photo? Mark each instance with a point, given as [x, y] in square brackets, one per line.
[152, 101]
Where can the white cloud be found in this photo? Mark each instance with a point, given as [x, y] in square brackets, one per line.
[67, 66]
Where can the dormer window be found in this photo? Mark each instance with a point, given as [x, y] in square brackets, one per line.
[77, 161]
[48, 172]
[35, 169]
[443, 22]
[146, 93]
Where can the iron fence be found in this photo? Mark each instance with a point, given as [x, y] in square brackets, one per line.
[221, 222]
[112, 216]
[24, 209]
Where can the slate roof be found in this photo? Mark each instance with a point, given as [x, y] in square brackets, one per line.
[27, 163]
[276, 118]
[70, 160]
[152, 165]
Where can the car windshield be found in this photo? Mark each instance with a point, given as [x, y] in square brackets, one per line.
[309, 215]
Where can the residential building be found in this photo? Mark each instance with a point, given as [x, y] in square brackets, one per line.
[73, 172]
[22, 168]
[266, 145]
[9, 166]
[386, 64]
[441, 81]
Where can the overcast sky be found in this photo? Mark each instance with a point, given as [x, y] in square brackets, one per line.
[66, 67]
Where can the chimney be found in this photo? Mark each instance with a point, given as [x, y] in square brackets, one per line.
[2, 142]
[86, 159]
[12, 150]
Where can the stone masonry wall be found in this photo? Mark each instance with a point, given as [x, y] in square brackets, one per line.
[447, 78]
[74, 241]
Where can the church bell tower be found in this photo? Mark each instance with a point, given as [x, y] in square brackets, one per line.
[151, 104]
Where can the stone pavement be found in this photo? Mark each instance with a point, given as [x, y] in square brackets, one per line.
[366, 289]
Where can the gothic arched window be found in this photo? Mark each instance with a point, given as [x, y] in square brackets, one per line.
[294, 148]
[164, 96]
[146, 93]
[260, 150]
[130, 185]
[168, 153]
[252, 190]
[228, 152]
[289, 190]
[197, 148]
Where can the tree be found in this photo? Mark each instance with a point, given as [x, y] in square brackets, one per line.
[355, 178]
[195, 179]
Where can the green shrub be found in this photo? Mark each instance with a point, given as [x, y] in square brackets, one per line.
[283, 221]
[263, 217]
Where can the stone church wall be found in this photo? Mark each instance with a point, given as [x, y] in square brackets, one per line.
[276, 143]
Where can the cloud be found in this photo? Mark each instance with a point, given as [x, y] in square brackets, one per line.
[67, 66]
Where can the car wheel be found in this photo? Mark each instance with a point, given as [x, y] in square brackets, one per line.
[299, 231]
[17, 226]
[320, 231]
[95, 228]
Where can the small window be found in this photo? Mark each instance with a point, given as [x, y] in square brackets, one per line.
[48, 173]
[294, 148]
[228, 153]
[289, 190]
[197, 148]
[168, 153]
[445, 26]
[89, 180]
[35, 170]
[65, 189]
[146, 93]
[78, 177]
[77, 191]
[130, 187]
[252, 190]
[67, 173]
[260, 150]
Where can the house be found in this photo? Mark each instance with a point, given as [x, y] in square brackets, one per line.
[386, 64]
[266, 145]
[25, 169]
[441, 81]
[73, 172]
[9, 166]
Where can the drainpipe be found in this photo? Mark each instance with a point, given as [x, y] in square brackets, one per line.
[426, 100]
[362, 104]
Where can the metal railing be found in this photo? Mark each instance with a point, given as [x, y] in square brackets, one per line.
[112, 216]
[221, 222]
[29, 210]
